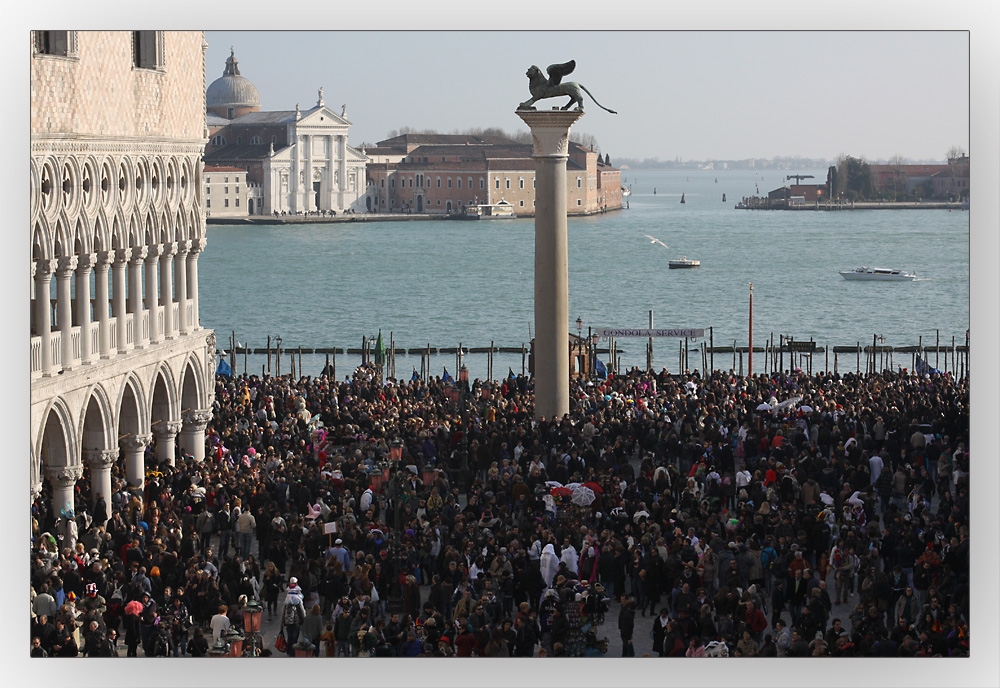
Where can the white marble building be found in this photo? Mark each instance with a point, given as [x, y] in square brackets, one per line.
[301, 159]
[119, 360]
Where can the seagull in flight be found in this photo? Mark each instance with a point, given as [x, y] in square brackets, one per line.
[655, 241]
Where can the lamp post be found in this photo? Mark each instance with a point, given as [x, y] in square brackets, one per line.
[252, 613]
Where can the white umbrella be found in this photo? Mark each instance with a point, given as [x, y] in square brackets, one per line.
[764, 407]
[583, 496]
[826, 499]
[553, 483]
[806, 409]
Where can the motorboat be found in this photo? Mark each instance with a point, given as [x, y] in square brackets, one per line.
[485, 211]
[878, 274]
[683, 263]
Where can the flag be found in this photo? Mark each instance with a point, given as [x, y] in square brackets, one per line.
[415, 376]
[446, 377]
[511, 374]
[223, 368]
[379, 350]
[602, 372]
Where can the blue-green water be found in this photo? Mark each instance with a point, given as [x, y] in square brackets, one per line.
[443, 282]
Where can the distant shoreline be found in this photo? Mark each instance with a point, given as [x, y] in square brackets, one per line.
[366, 217]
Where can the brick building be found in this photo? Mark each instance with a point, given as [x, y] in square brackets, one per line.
[444, 173]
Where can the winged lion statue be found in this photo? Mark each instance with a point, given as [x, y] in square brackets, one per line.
[542, 87]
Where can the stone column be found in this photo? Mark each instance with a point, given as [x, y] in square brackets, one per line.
[64, 303]
[167, 252]
[296, 188]
[104, 259]
[135, 459]
[192, 281]
[180, 286]
[87, 262]
[166, 435]
[43, 310]
[342, 171]
[193, 432]
[100, 462]
[120, 304]
[308, 193]
[63, 480]
[152, 298]
[135, 295]
[550, 134]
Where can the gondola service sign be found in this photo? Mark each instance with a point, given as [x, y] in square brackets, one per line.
[605, 332]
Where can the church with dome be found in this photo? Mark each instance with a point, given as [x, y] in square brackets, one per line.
[296, 161]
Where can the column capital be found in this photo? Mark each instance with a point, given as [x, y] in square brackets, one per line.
[197, 245]
[197, 419]
[65, 476]
[139, 254]
[105, 258]
[168, 249]
[550, 130]
[136, 442]
[167, 429]
[100, 458]
[153, 252]
[87, 261]
[122, 255]
[183, 246]
[46, 267]
[67, 264]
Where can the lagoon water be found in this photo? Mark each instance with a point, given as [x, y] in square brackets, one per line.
[445, 282]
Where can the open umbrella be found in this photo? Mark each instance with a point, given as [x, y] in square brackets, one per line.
[595, 487]
[764, 407]
[583, 496]
[553, 483]
[806, 409]
[561, 492]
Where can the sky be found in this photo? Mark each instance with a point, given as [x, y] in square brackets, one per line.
[687, 94]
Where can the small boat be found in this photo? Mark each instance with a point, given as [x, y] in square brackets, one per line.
[682, 199]
[683, 263]
[484, 211]
[878, 275]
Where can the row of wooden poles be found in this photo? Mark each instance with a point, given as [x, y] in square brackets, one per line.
[876, 357]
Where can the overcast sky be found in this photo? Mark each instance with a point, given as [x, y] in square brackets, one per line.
[694, 95]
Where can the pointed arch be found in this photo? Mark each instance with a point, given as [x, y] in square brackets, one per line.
[57, 440]
[149, 230]
[193, 394]
[97, 422]
[41, 241]
[166, 231]
[119, 231]
[63, 245]
[131, 417]
[102, 233]
[82, 238]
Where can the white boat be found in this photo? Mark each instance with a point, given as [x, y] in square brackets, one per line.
[878, 274]
[485, 211]
[683, 263]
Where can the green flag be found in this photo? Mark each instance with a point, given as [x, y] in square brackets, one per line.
[379, 350]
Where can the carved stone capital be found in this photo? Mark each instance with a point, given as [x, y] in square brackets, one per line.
[196, 246]
[67, 264]
[87, 261]
[139, 254]
[99, 459]
[64, 476]
[197, 419]
[167, 429]
[550, 130]
[168, 249]
[104, 259]
[122, 255]
[153, 252]
[45, 268]
[136, 443]
[183, 247]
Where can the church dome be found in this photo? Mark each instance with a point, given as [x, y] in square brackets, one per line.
[232, 90]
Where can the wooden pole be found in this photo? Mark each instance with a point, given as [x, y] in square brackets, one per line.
[524, 356]
[711, 344]
[750, 358]
[245, 347]
[954, 354]
[826, 366]
[834, 362]
[741, 362]
[734, 355]
[326, 368]
[859, 357]
[277, 360]
[937, 347]
[428, 362]
[268, 354]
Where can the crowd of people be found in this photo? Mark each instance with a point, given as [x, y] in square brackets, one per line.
[730, 510]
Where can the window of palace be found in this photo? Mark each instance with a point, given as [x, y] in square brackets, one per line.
[508, 182]
[579, 183]
[498, 182]
[226, 203]
[58, 43]
[218, 141]
[449, 182]
[147, 49]
[520, 183]
[439, 186]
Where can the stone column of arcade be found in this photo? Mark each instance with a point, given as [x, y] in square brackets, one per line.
[167, 252]
[550, 133]
[193, 432]
[101, 310]
[192, 281]
[180, 286]
[119, 302]
[82, 301]
[135, 459]
[64, 306]
[152, 297]
[43, 311]
[166, 440]
[100, 462]
[63, 480]
[140, 337]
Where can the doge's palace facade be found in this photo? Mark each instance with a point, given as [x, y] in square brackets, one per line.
[121, 369]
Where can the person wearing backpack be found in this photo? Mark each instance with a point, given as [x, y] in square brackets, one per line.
[292, 616]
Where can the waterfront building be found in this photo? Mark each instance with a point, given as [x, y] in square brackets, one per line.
[444, 173]
[931, 180]
[300, 159]
[228, 193]
[122, 371]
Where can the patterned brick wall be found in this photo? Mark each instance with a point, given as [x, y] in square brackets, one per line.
[99, 92]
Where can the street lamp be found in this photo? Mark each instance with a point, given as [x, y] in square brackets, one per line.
[252, 613]
[579, 327]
